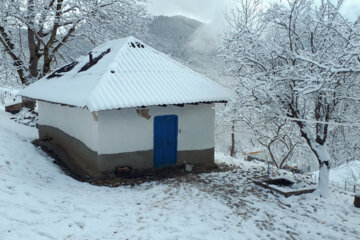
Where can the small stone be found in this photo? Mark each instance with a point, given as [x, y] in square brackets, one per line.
[188, 167]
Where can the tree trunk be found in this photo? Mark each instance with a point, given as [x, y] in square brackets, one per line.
[5, 40]
[232, 149]
[47, 62]
[323, 158]
[323, 186]
[34, 60]
[33, 51]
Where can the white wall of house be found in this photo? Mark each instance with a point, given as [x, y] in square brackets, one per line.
[76, 122]
[126, 131]
[117, 131]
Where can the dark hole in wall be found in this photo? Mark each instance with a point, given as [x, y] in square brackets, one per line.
[64, 69]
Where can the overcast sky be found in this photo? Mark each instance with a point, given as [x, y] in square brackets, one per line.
[211, 10]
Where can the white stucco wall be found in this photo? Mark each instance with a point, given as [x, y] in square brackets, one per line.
[125, 131]
[118, 131]
[76, 122]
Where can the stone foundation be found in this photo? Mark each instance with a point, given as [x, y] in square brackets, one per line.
[83, 160]
[76, 154]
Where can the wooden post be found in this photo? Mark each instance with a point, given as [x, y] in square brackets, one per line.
[232, 149]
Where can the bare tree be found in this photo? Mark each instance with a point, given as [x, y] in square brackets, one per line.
[302, 66]
[34, 33]
[278, 137]
[243, 14]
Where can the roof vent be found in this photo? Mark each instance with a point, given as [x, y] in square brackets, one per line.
[93, 61]
[136, 45]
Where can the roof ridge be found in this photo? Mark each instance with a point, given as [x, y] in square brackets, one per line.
[101, 79]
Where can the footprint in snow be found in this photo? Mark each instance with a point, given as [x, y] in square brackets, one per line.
[81, 225]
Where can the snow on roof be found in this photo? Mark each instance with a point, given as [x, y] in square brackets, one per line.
[125, 73]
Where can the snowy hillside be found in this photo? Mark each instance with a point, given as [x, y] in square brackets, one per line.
[177, 37]
[344, 176]
[171, 35]
[38, 201]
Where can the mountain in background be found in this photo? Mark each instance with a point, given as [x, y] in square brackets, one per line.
[190, 42]
[171, 35]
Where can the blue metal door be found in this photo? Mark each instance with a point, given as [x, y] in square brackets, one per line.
[165, 140]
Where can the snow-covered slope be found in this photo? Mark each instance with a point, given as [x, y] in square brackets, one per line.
[344, 176]
[172, 35]
[38, 201]
[349, 172]
[177, 36]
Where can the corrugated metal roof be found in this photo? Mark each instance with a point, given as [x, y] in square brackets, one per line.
[132, 74]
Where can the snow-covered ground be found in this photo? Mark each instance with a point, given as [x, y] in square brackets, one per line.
[38, 201]
[344, 176]
[349, 173]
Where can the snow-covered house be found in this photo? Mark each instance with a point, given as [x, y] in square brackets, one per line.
[126, 104]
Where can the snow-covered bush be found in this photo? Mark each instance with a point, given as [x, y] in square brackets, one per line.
[299, 62]
[27, 117]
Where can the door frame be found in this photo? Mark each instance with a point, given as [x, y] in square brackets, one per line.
[176, 141]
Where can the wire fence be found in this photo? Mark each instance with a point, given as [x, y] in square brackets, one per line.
[349, 186]
[8, 96]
